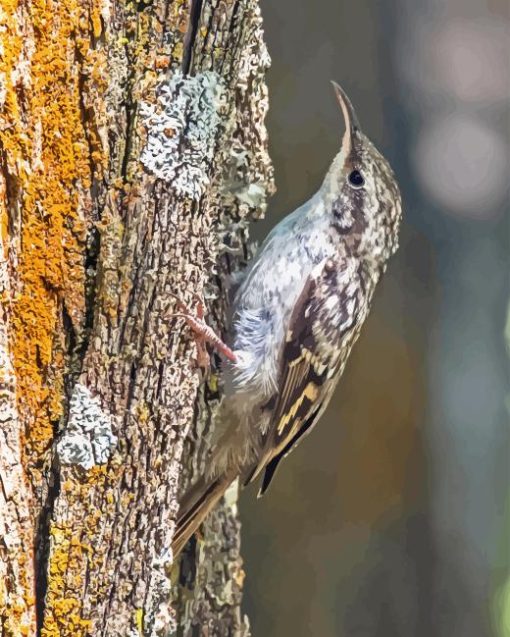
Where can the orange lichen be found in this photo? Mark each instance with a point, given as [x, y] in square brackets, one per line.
[95, 18]
[64, 616]
[49, 74]
[47, 148]
[72, 555]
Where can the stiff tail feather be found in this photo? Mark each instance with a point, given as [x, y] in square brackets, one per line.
[195, 505]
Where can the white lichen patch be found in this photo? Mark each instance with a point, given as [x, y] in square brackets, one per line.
[254, 195]
[181, 131]
[88, 439]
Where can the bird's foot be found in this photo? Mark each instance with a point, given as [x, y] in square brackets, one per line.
[202, 332]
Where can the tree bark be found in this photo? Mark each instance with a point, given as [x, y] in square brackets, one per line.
[133, 155]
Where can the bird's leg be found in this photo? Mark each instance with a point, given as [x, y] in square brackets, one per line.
[203, 333]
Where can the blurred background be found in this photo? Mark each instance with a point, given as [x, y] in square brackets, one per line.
[393, 519]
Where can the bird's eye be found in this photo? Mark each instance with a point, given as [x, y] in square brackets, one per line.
[355, 179]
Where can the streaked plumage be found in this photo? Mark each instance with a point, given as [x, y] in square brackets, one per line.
[296, 316]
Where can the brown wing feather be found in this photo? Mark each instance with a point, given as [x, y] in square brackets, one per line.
[303, 372]
[272, 465]
[299, 382]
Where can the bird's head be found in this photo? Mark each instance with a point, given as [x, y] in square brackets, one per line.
[361, 191]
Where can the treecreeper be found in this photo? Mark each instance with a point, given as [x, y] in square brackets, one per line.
[294, 318]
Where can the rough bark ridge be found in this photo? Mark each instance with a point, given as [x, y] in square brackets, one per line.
[132, 154]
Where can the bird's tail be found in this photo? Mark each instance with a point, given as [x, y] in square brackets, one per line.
[195, 505]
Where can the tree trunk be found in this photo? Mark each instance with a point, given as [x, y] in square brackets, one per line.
[133, 154]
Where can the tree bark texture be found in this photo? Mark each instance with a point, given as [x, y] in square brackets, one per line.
[133, 155]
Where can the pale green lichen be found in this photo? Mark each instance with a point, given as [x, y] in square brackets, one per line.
[181, 131]
[88, 438]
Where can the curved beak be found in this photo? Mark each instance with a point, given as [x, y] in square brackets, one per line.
[350, 119]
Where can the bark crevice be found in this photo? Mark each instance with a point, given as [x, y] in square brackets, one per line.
[190, 37]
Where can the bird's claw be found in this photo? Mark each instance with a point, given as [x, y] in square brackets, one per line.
[202, 332]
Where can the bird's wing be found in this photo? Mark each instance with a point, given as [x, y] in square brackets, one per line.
[326, 317]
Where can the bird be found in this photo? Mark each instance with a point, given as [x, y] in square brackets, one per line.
[294, 318]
